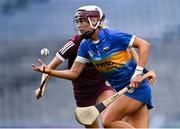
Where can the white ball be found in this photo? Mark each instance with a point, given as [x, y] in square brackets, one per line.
[44, 52]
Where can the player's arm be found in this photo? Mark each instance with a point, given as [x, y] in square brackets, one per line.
[52, 65]
[135, 56]
[69, 74]
[143, 52]
[64, 53]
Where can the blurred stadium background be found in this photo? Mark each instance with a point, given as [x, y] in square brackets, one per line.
[26, 26]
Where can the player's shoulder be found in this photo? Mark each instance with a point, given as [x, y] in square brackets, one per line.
[72, 43]
[116, 34]
[110, 32]
[76, 39]
[113, 31]
[83, 43]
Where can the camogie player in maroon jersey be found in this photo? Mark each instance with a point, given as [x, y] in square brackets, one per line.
[90, 87]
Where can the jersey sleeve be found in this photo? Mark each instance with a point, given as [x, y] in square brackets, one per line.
[82, 54]
[66, 51]
[126, 40]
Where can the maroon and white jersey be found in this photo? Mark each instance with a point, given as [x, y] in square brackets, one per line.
[89, 80]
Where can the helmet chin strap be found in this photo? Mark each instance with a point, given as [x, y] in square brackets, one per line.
[88, 34]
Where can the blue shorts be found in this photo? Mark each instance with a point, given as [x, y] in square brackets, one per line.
[142, 93]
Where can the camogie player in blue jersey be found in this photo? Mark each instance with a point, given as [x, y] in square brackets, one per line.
[109, 51]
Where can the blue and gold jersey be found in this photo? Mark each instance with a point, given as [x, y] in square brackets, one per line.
[110, 55]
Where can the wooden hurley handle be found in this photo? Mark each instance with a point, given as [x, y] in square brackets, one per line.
[41, 87]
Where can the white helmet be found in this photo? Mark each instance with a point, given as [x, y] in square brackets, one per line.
[88, 12]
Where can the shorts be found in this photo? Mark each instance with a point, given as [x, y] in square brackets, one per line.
[142, 94]
[91, 99]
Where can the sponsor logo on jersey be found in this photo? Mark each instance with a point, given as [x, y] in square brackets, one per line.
[106, 49]
[108, 65]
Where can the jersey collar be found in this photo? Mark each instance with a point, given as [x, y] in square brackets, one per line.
[101, 36]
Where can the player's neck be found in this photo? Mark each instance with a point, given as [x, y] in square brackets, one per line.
[94, 36]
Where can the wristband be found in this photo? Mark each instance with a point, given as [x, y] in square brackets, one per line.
[138, 70]
[145, 70]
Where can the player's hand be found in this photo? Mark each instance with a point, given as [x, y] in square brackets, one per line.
[39, 93]
[135, 81]
[152, 80]
[42, 68]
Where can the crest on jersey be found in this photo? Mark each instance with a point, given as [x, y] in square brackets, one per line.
[91, 53]
[106, 48]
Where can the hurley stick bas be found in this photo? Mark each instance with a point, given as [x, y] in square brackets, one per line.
[87, 115]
